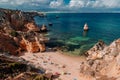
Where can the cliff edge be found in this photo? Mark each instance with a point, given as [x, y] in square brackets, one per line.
[102, 63]
[19, 32]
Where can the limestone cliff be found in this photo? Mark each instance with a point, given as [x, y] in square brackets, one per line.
[18, 32]
[102, 63]
[32, 46]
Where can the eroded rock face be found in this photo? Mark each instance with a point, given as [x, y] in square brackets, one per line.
[17, 21]
[105, 67]
[32, 47]
[97, 51]
[31, 26]
[13, 25]
[7, 44]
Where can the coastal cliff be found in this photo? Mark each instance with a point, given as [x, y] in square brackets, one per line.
[18, 32]
[102, 62]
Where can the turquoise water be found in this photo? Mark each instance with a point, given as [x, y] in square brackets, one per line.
[67, 30]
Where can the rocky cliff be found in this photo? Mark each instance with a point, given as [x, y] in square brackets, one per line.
[14, 68]
[102, 63]
[18, 32]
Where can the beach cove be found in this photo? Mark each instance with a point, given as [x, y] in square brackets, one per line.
[57, 63]
[34, 52]
[67, 32]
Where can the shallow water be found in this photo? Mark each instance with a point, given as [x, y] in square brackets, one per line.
[67, 30]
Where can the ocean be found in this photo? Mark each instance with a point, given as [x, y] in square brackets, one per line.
[67, 30]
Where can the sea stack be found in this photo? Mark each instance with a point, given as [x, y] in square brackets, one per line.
[86, 27]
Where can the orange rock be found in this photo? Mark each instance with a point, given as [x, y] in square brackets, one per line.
[23, 45]
[31, 26]
[42, 47]
[34, 47]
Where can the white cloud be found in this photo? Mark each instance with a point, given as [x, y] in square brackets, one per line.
[60, 5]
[57, 3]
[106, 3]
[17, 2]
[21, 2]
[3, 1]
[94, 3]
[77, 3]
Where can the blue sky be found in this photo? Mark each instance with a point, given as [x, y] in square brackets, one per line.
[63, 5]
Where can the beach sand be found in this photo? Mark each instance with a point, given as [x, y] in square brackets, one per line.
[57, 63]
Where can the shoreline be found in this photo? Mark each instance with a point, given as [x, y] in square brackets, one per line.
[57, 63]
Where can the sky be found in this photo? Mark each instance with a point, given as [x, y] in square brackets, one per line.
[63, 5]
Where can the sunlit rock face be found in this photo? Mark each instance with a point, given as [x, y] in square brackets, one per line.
[32, 26]
[97, 51]
[106, 67]
[19, 32]
[32, 46]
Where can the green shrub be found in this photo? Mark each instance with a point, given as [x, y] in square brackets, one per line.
[14, 33]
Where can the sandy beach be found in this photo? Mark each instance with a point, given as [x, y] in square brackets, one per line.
[57, 63]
